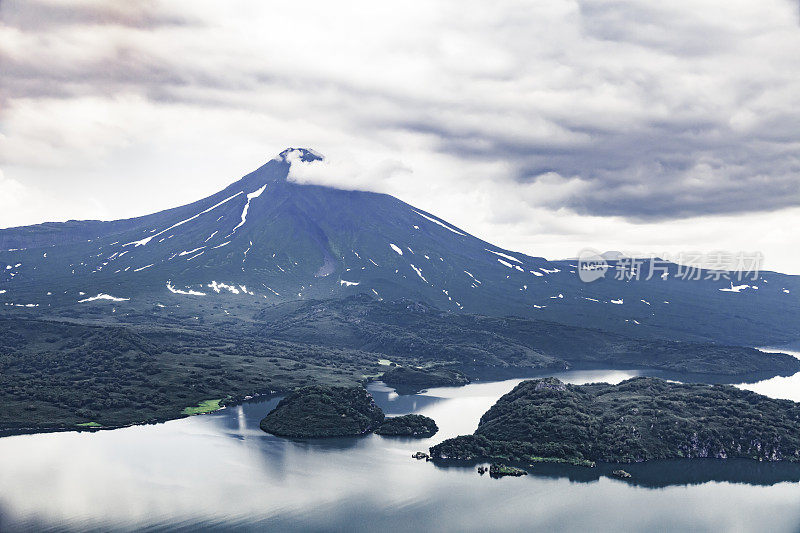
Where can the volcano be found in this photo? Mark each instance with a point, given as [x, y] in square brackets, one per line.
[266, 240]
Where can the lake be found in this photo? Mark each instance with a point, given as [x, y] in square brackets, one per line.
[220, 471]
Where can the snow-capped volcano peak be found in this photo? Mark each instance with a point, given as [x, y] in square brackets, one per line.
[264, 240]
[276, 170]
[306, 155]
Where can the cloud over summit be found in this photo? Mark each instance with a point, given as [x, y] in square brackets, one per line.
[512, 115]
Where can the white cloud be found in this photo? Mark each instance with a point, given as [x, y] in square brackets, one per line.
[538, 126]
[17, 205]
[346, 171]
[11, 192]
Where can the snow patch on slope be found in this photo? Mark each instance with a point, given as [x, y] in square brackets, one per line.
[442, 224]
[218, 287]
[419, 273]
[250, 196]
[143, 242]
[735, 288]
[103, 296]
[180, 291]
[511, 257]
[188, 252]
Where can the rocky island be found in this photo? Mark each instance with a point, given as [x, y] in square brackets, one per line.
[408, 380]
[320, 411]
[637, 420]
[408, 426]
[497, 470]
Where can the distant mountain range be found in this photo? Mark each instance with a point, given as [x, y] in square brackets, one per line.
[265, 240]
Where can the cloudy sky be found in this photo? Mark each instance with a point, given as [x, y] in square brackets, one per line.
[541, 126]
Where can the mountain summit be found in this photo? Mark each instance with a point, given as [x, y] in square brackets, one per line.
[265, 240]
[306, 155]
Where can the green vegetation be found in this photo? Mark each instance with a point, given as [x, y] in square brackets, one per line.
[55, 375]
[480, 448]
[206, 406]
[640, 419]
[408, 426]
[317, 412]
[89, 425]
[497, 470]
[408, 380]
[84, 364]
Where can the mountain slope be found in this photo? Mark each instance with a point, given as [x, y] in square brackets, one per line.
[266, 240]
[420, 334]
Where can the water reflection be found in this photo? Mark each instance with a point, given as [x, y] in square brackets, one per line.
[222, 471]
[665, 473]
[400, 404]
[783, 387]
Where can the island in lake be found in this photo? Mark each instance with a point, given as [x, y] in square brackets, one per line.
[408, 426]
[321, 411]
[637, 420]
[408, 380]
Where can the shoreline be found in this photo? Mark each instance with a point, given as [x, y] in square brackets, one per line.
[477, 374]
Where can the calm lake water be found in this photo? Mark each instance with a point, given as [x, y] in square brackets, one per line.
[220, 471]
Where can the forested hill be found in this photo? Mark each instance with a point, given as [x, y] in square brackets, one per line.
[639, 419]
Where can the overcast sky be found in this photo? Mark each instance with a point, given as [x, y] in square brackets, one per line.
[543, 126]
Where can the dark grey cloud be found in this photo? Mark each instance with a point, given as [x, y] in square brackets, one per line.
[661, 170]
[43, 15]
[656, 25]
[122, 68]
